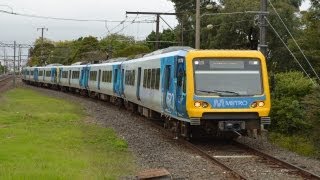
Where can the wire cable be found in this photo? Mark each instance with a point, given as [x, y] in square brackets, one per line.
[61, 19]
[275, 31]
[305, 57]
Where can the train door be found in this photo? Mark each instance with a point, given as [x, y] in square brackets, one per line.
[138, 84]
[99, 79]
[181, 87]
[115, 79]
[35, 74]
[84, 77]
[69, 77]
[53, 75]
[44, 75]
[168, 84]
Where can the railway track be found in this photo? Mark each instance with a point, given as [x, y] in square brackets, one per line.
[4, 78]
[250, 163]
[239, 160]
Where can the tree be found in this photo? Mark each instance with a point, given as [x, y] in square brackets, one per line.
[168, 36]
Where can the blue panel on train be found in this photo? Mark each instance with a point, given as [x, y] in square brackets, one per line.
[230, 102]
[35, 74]
[116, 79]
[53, 75]
[168, 85]
[84, 77]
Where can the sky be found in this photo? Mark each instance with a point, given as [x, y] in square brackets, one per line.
[24, 29]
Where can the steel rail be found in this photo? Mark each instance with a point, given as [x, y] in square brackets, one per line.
[302, 172]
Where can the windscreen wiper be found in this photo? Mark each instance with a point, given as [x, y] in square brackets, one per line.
[207, 91]
[230, 92]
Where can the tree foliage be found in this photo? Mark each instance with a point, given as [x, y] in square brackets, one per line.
[85, 49]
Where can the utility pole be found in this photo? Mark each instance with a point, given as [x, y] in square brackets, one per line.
[42, 34]
[4, 60]
[263, 27]
[158, 14]
[14, 64]
[19, 58]
[197, 45]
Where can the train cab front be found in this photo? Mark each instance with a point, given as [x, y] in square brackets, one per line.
[227, 91]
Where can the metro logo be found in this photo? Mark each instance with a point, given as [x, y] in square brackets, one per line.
[222, 103]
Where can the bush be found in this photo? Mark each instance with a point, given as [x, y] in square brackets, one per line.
[292, 84]
[311, 104]
[288, 116]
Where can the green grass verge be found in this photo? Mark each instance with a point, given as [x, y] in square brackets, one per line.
[298, 144]
[46, 138]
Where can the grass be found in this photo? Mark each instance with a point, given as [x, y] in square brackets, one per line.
[46, 138]
[298, 144]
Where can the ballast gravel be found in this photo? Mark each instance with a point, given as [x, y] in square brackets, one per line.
[153, 150]
[150, 148]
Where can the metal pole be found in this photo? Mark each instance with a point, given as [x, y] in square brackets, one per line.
[19, 58]
[182, 38]
[42, 34]
[263, 27]
[14, 64]
[197, 45]
[4, 60]
[157, 31]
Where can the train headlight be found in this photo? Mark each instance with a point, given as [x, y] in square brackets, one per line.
[205, 105]
[197, 104]
[261, 104]
[254, 104]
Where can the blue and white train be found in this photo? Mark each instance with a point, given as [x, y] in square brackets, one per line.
[215, 91]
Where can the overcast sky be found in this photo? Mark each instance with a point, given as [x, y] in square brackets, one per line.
[24, 29]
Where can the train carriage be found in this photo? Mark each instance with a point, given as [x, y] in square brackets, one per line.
[215, 92]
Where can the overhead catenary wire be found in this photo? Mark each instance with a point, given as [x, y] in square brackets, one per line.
[294, 57]
[305, 57]
[62, 19]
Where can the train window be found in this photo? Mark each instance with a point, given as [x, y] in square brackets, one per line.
[93, 75]
[130, 77]
[133, 77]
[75, 74]
[153, 79]
[31, 73]
[157, 78]
[40, 73]
[110, 77]
[145, 76]
[104, 76]
[149, 78]
[48, 73]
[65, 74]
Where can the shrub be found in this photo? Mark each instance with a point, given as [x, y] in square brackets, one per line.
[288, 116]
[291, 84]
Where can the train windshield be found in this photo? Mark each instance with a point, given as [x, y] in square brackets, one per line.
[228, 77]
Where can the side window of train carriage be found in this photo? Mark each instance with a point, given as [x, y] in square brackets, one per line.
[75, 74]
[145, 76]
[65, 74]
[40, 73]
[48, 73]
[93, 75]
[149, 79]
[153, 78]
[157, 79]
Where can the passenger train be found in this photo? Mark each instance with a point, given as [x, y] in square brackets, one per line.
[212, 92]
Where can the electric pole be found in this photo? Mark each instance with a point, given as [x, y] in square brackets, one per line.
[14, 64]
[42, 34]
[158, 14]
[263, 27]
[197, 45]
